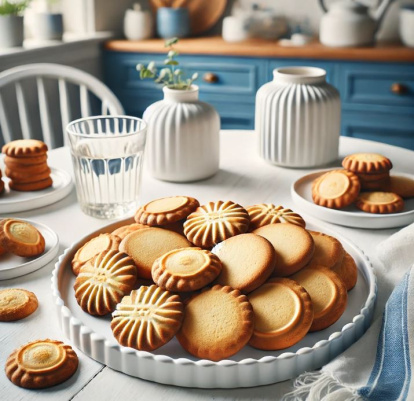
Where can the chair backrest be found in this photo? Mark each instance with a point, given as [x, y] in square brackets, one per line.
[38, 101]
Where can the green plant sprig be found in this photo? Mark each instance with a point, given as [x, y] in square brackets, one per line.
[171, 76]
[15, 8]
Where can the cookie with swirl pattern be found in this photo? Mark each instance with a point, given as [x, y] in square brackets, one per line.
[103, 281]
[214, 222]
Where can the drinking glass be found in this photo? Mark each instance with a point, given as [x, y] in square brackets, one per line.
[107, 154]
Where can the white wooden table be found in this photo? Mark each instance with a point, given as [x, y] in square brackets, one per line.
[243, 178]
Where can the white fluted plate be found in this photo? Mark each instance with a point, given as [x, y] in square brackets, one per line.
[170, 364]
[351, 216]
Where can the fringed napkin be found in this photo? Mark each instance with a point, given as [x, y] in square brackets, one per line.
[378, 366]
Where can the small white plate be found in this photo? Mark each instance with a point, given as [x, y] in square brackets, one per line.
[17, 201]
[350, 216]
[12, 266]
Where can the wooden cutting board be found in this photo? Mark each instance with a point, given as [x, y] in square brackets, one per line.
[203, 13]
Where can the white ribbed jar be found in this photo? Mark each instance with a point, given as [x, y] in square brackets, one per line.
[183, 137]
[298, 118]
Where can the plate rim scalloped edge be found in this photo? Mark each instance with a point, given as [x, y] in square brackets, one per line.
[364, 318]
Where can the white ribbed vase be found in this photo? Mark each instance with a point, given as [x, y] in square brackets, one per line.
[298, 118]
[183, 137]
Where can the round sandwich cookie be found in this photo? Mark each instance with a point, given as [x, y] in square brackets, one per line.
[22, 162]
[267, 213]
[380, 202]
[335, 189]
[18, 168]
[16, 304]
[367, 163]
[145, 246]
[166, 210]
[23, 148]
[186, 269]
[373, 177]
[147, 319]
[329, 251]
[400, 185]
[248, 261]
[294, 247]
[328, 294]
[283, 313]
[347, 271]
[214, 222]
[374, 185]
[103, 242]
[123, 231]
[31, 186]
[21, 238]
[218, 322]
[27, 177]
[41, 363]
[103, 281]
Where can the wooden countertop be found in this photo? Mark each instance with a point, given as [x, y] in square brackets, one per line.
[215, 45]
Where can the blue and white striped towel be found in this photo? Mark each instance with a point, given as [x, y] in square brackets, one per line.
[377, 367]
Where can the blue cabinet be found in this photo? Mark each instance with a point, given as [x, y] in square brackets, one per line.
[377, 98]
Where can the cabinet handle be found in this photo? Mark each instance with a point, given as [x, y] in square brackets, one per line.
[210, 78]
[399, 89]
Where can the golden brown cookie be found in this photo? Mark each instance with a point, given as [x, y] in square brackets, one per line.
[145, 246]
[218, 322]
[400, 185]
[347, 271]
[123, 231]
[19, 168]
[283, 313]
[103, 281]
[147, 319]
[28, 176]
[24, 148]
[16, 304]
[214, 222]
[41, 363]
[21, 238]
[335, 189]
[373, 177]
[267, 213]
[328, 294]
[379, 202]
[329, 251]
[166, 210]
[186, 269]
[103, 242]
[23, 161]
[367, 163]
[248, 261]
[31, 186]
[374, 185]
[294, 246]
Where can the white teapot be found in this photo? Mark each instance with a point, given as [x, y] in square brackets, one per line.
[348, 23]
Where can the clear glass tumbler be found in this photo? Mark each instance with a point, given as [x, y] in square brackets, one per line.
[107, 154]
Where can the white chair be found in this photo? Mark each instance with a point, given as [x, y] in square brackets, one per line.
[37, 101]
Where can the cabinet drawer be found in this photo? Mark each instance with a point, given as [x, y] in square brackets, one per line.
[397, 131]
[237, 79]
[381, 87]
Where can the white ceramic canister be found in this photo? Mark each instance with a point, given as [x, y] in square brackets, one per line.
[298, 118]
[138, 24]
[183, 137]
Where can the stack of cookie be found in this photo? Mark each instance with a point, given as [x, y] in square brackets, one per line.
[365, 181]
[26, 165]
[236, 276]
[372, 169]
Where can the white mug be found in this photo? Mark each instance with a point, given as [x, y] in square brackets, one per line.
[407, 25]
[138, 25]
